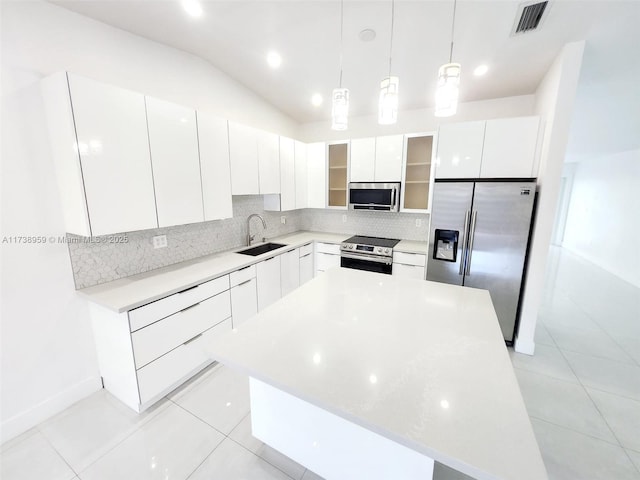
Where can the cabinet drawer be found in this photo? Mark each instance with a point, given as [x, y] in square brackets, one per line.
[306, 249]
[157, 339]
[152, 312]
[168, 371]
[328, 248]
[325, 261]
[409, 258]
[242, 275]
[408, 271]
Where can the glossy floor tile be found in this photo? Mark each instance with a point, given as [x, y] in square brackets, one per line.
[242, 435]
[220, 398]
[34, 458]
[232, 461]
[622, 415]
[581, 389]
[572, 456]
[90, 428]
[170, 446]
[562, 403]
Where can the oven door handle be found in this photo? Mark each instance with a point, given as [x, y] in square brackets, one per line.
[368, 258]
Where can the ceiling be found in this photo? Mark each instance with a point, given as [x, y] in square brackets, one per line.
[235, 36]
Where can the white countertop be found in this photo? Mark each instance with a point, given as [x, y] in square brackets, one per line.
[421, 363]
[131, 292]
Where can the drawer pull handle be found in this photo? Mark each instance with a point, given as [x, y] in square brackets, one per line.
[246, 281]
[243, 268]
[187, 289]
[190, 307]
[304, 256]
[192, 339]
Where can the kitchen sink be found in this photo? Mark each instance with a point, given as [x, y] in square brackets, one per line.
[260, 249]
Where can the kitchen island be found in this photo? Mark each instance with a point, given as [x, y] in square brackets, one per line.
[363, 375]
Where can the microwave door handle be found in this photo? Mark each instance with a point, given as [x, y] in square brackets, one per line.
[395, 193]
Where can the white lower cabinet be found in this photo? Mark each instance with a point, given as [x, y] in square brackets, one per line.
[409, 265]
[150, 350]
[290, 271]
[268, 277]
[172, 369]
[306, 263]
[244, 298]
[327, 256]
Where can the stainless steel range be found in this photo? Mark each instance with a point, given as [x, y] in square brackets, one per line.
[368, 253]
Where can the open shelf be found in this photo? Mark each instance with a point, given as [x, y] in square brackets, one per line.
[338, 156]
[417, 176]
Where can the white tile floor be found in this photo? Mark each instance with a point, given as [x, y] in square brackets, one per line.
[582, 391]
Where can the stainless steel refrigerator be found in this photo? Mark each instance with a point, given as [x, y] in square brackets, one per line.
[479, 238]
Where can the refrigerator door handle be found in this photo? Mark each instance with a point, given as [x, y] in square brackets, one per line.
[472, 236]
[464, 242]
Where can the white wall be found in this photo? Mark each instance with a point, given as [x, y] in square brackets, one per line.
[603, 224]
[555, 98]
[48, 355]
[415, 121]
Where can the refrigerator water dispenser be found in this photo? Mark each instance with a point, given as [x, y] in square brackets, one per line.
[445, 246]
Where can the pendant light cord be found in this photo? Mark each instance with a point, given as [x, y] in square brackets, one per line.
[341, 27]
[393, 9]
[453, 23]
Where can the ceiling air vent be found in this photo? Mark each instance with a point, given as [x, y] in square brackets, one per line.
[530, 17]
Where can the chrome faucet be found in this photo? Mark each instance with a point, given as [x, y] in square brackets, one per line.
[249, 236]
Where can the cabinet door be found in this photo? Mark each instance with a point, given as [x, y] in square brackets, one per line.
[244, 301]
[306, 268]
[243, 153]
[510, 148]
[213, 137]
[287, 174]
[325, 261]
[173, 138]
[460, 150]
[363, 154]
[337, 163]
[316, 175]
[112, 140]
[300, 154]
[290, 271]
[268, 277]
[269, 162]
[388, 164]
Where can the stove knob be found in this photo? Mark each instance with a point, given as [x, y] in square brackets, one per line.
[352, 246]
[386, 251]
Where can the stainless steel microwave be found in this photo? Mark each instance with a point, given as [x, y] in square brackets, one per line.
[383, 197]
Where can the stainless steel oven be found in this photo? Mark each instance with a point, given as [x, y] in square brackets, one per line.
[368, 253]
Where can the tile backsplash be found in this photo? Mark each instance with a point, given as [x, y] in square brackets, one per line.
[100, 260]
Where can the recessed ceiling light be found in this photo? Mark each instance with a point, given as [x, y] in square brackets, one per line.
[480, 70]
[367, 35]
[274, 59]
[192, 7]
[316, 99]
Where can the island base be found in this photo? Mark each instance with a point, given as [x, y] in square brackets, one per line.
[327, 444]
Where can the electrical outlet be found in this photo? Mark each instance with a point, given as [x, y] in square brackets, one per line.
[283, 220]
[344, 219]
[160, 241]
[418, 222]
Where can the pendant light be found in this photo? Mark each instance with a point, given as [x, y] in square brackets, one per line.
[388, 103]
[448, 81]
[340, 96]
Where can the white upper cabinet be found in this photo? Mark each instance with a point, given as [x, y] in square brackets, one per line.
[300, 156]
[104, 173]
[388, 158]
[316, 175]
[510, 148]
[269, 162]
[363, 154]
[213, 135]
[459, 151]
[173, 138]
[243, 152]
[287, 174]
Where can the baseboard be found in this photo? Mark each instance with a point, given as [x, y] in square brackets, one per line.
[14, 426]
[525, 346]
